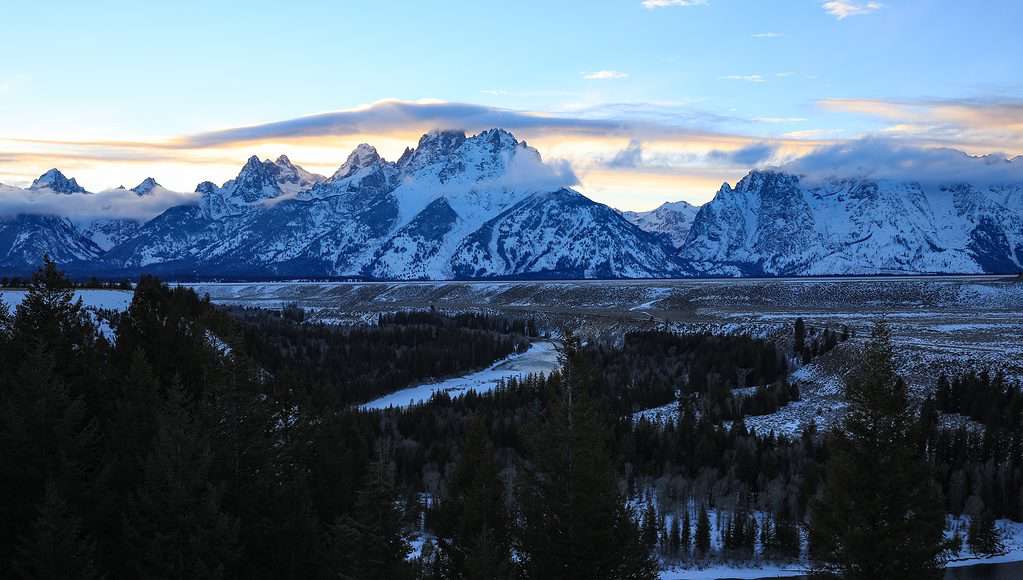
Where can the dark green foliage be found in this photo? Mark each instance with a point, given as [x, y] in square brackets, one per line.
[472, 522]
[701, 539]
[685, 532]
[371, 544]
[56, 546]
[675, 545]
[575, 524]
[880, 512]
[652, 366]
[175, 522]
[649, 529]
[809, 342]
[799, 337]
[984, 537]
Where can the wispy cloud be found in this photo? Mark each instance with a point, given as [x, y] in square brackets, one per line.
[652, 4]
[842, 9]
[746, 78]
[630, 157]
[780, 119]
[605, 75]
[991, 124]
[769, 35]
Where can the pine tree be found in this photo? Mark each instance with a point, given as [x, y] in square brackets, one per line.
[46, 438]
[175, 520]
[788, 540]
[675, 537]
[686, 538]
[768, 537]
[702, 537]
[650, 525]
[6, 322]
[371, 543]
[984, 536]
[575, 524]
[799, 337]
[473, 524]
[56, 547]
[881, 514]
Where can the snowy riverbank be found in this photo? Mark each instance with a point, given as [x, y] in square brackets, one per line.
[541, 358]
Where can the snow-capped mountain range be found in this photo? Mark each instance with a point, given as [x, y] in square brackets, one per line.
[775, 223]
[487, 206]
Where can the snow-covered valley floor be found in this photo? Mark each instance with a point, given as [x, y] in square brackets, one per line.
[106, 299]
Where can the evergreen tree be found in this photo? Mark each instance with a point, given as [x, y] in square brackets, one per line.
[799, 337]
[768, 537]
[473, 525]
[880, 515]
[56, 547]
[371, 543]
[175, 520]
[787, 539]
[702, 537]
[675, 537]
[686, 538]
[650, 525]
[575, 524]
[46, 437]
[984, 536]
[6, 323]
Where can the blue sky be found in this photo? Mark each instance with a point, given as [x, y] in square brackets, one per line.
[113, 91]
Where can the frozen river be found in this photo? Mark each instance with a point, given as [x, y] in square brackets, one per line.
[541, 358]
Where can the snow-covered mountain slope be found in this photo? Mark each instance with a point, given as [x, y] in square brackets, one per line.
[671, 220]
[563, 234]
[24, 239]
[108, 232]
[26, 236]
[776, 223]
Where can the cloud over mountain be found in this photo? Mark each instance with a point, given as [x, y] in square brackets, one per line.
[112, 203]
[880, 158]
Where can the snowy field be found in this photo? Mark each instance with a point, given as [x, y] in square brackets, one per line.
[541, 358]
[106, 299]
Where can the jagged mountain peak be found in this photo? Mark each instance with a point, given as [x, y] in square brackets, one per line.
[206, 187]
[56, 181]
[433, 146]
[499, 137]
[670, 221]
[445, 139]
[363, 156]
[146, 186]
[451, 156]
[760, 178]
